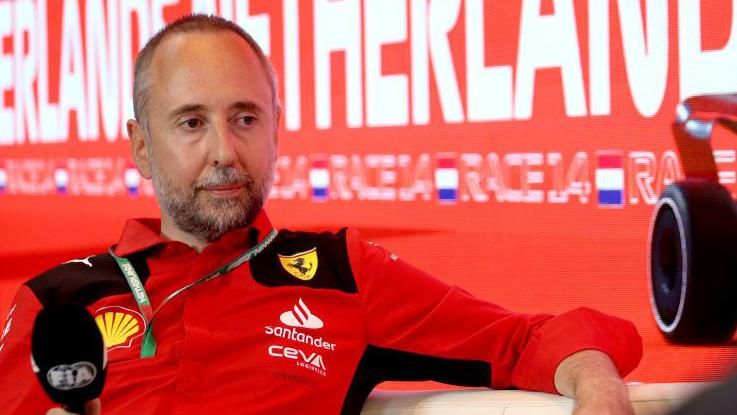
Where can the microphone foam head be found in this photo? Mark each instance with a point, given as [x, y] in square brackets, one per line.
[68, 354]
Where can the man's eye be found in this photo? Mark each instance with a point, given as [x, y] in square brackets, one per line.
[192, 123]
[246, 120]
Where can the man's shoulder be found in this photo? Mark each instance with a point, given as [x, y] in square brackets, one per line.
[297, 238]
[306, 258]
[82, 281]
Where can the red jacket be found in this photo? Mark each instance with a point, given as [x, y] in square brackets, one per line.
[310, 325]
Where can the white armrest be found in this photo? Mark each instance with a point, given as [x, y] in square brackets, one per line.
[647, 399]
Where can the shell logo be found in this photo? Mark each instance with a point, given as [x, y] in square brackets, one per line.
[119, 326]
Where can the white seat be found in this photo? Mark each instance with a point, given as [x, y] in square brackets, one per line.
[647, 399]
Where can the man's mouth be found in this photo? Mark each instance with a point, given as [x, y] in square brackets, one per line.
[224, 190]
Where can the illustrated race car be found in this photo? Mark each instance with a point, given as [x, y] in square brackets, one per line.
[693, 236]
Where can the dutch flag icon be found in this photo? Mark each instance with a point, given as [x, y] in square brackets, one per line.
[61, 180]
[446, 179]
[610, 179]
[3, 180]
[132, 180]
[319, 179]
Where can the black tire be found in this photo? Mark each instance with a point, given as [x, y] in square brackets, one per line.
[693, 263]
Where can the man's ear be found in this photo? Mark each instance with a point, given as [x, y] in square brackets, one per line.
[139, 148]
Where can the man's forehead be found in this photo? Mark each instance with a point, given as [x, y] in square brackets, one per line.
[193, 46]
[186, 65]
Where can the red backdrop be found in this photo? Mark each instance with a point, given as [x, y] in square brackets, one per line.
[466, 136]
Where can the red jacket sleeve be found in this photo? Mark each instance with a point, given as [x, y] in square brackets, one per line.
[21, 391]
[406, 309]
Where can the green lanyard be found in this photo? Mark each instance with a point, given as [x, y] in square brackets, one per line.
[148, 349]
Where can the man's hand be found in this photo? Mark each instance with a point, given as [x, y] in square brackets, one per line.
[591, 378]
[90, 408]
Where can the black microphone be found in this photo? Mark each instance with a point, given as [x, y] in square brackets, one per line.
[68, 355]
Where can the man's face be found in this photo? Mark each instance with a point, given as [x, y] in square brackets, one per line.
[212, 132]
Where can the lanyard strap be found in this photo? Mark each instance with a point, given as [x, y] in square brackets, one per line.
[148, 349]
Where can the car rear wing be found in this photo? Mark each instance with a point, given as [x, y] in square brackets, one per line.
[692, 128]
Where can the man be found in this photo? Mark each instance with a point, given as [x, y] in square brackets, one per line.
[292, 322]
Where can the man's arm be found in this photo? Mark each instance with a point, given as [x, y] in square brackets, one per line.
[407, 310]
[592, 379]
[21, 391]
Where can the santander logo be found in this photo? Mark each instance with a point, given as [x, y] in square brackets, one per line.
[301, 316]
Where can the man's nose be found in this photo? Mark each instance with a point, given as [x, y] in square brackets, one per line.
[223, 142]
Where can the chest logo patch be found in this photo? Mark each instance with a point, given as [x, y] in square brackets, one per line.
[301, 316]
[119, 326]
[302, 265]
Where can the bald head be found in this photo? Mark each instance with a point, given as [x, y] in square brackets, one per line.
[191, 24]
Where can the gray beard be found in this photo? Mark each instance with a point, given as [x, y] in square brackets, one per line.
[194, 212]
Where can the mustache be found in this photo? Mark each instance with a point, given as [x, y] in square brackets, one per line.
[224, 176]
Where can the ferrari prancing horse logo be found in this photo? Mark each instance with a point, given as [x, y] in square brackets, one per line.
[302, 265]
